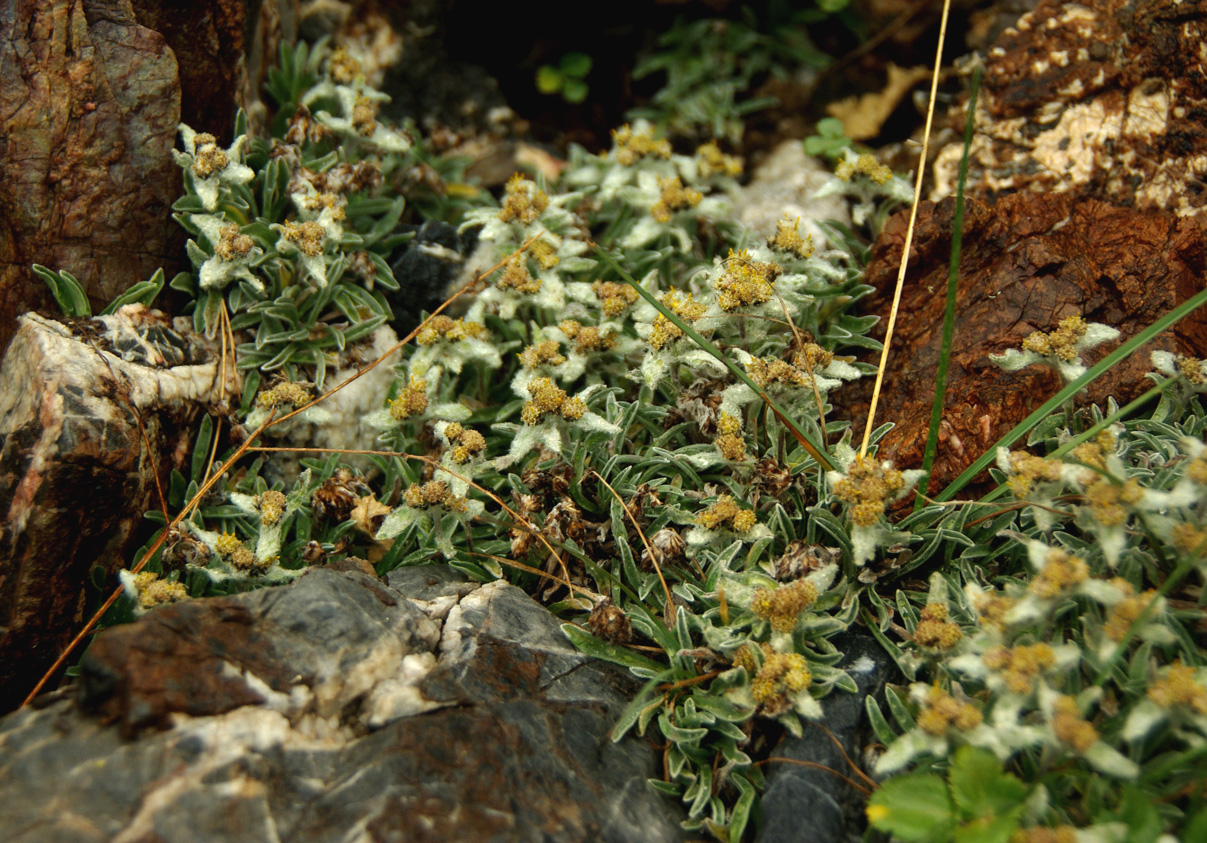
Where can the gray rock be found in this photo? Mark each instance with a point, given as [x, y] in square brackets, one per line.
[835, 810]
[336, 708]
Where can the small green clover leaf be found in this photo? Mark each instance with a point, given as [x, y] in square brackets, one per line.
[567, 78]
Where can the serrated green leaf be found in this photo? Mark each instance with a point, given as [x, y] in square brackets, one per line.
[979, 786]
[916, 808]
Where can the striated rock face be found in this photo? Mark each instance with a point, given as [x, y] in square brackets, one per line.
[1100, 98]
[336, 708]
[1027, 262]
[91, 94]
[89, 104]
[76, 473]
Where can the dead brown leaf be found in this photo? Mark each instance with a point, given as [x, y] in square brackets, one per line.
[862, 116]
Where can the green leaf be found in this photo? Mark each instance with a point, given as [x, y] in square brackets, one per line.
[1140, 814]
[574, 91]
[721, 707]
[980, 787]
[184, 282]
[740, 815]
[818, 454]
[990, 829]
[1121, 353]
[900, 709]
[914, 807]
[176, 488]
[1196, 829]
[66, 290]
[548, 79]
[201, 448]
[577, 65]
[613, 653]
[883, 731]
[144, 292]
[640, 711]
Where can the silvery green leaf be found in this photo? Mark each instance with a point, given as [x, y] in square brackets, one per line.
[399, 519]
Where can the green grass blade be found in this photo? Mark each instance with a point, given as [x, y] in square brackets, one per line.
[1122, 413]
[814, 450]
[949, 315]
[1093, 373]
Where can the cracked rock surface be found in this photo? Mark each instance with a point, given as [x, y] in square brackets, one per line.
[337, 708]
[90, 409]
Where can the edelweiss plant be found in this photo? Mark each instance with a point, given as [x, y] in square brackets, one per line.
[653, 459]
[1068, 669]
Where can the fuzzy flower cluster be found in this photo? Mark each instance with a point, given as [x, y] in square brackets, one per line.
[614, 298]
[787, 239]
[863, 165]
[666, 191]
[210, 167]
[710, 160]
[745, 281]
[629, 146]
[548, 397]
[284, 394]
[934, 631]
[779, 679]
[664, 330]
[1094, 470]
[466, 442]
[782, 606]
[1061, 348]
[867, 487]
[873, 186]
[149, 590]
[432, 493]
[443, 329]
[726, 513]
[781, 674]
[411, 401]
[941, 713]
[524, 202]
[729, 439]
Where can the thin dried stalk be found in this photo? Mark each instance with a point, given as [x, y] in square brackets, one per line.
[670, 601]
[909, 234]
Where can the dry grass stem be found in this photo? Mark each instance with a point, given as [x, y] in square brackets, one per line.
[909, 234]
[670, 601]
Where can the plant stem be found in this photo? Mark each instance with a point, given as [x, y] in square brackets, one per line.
[949, 315]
